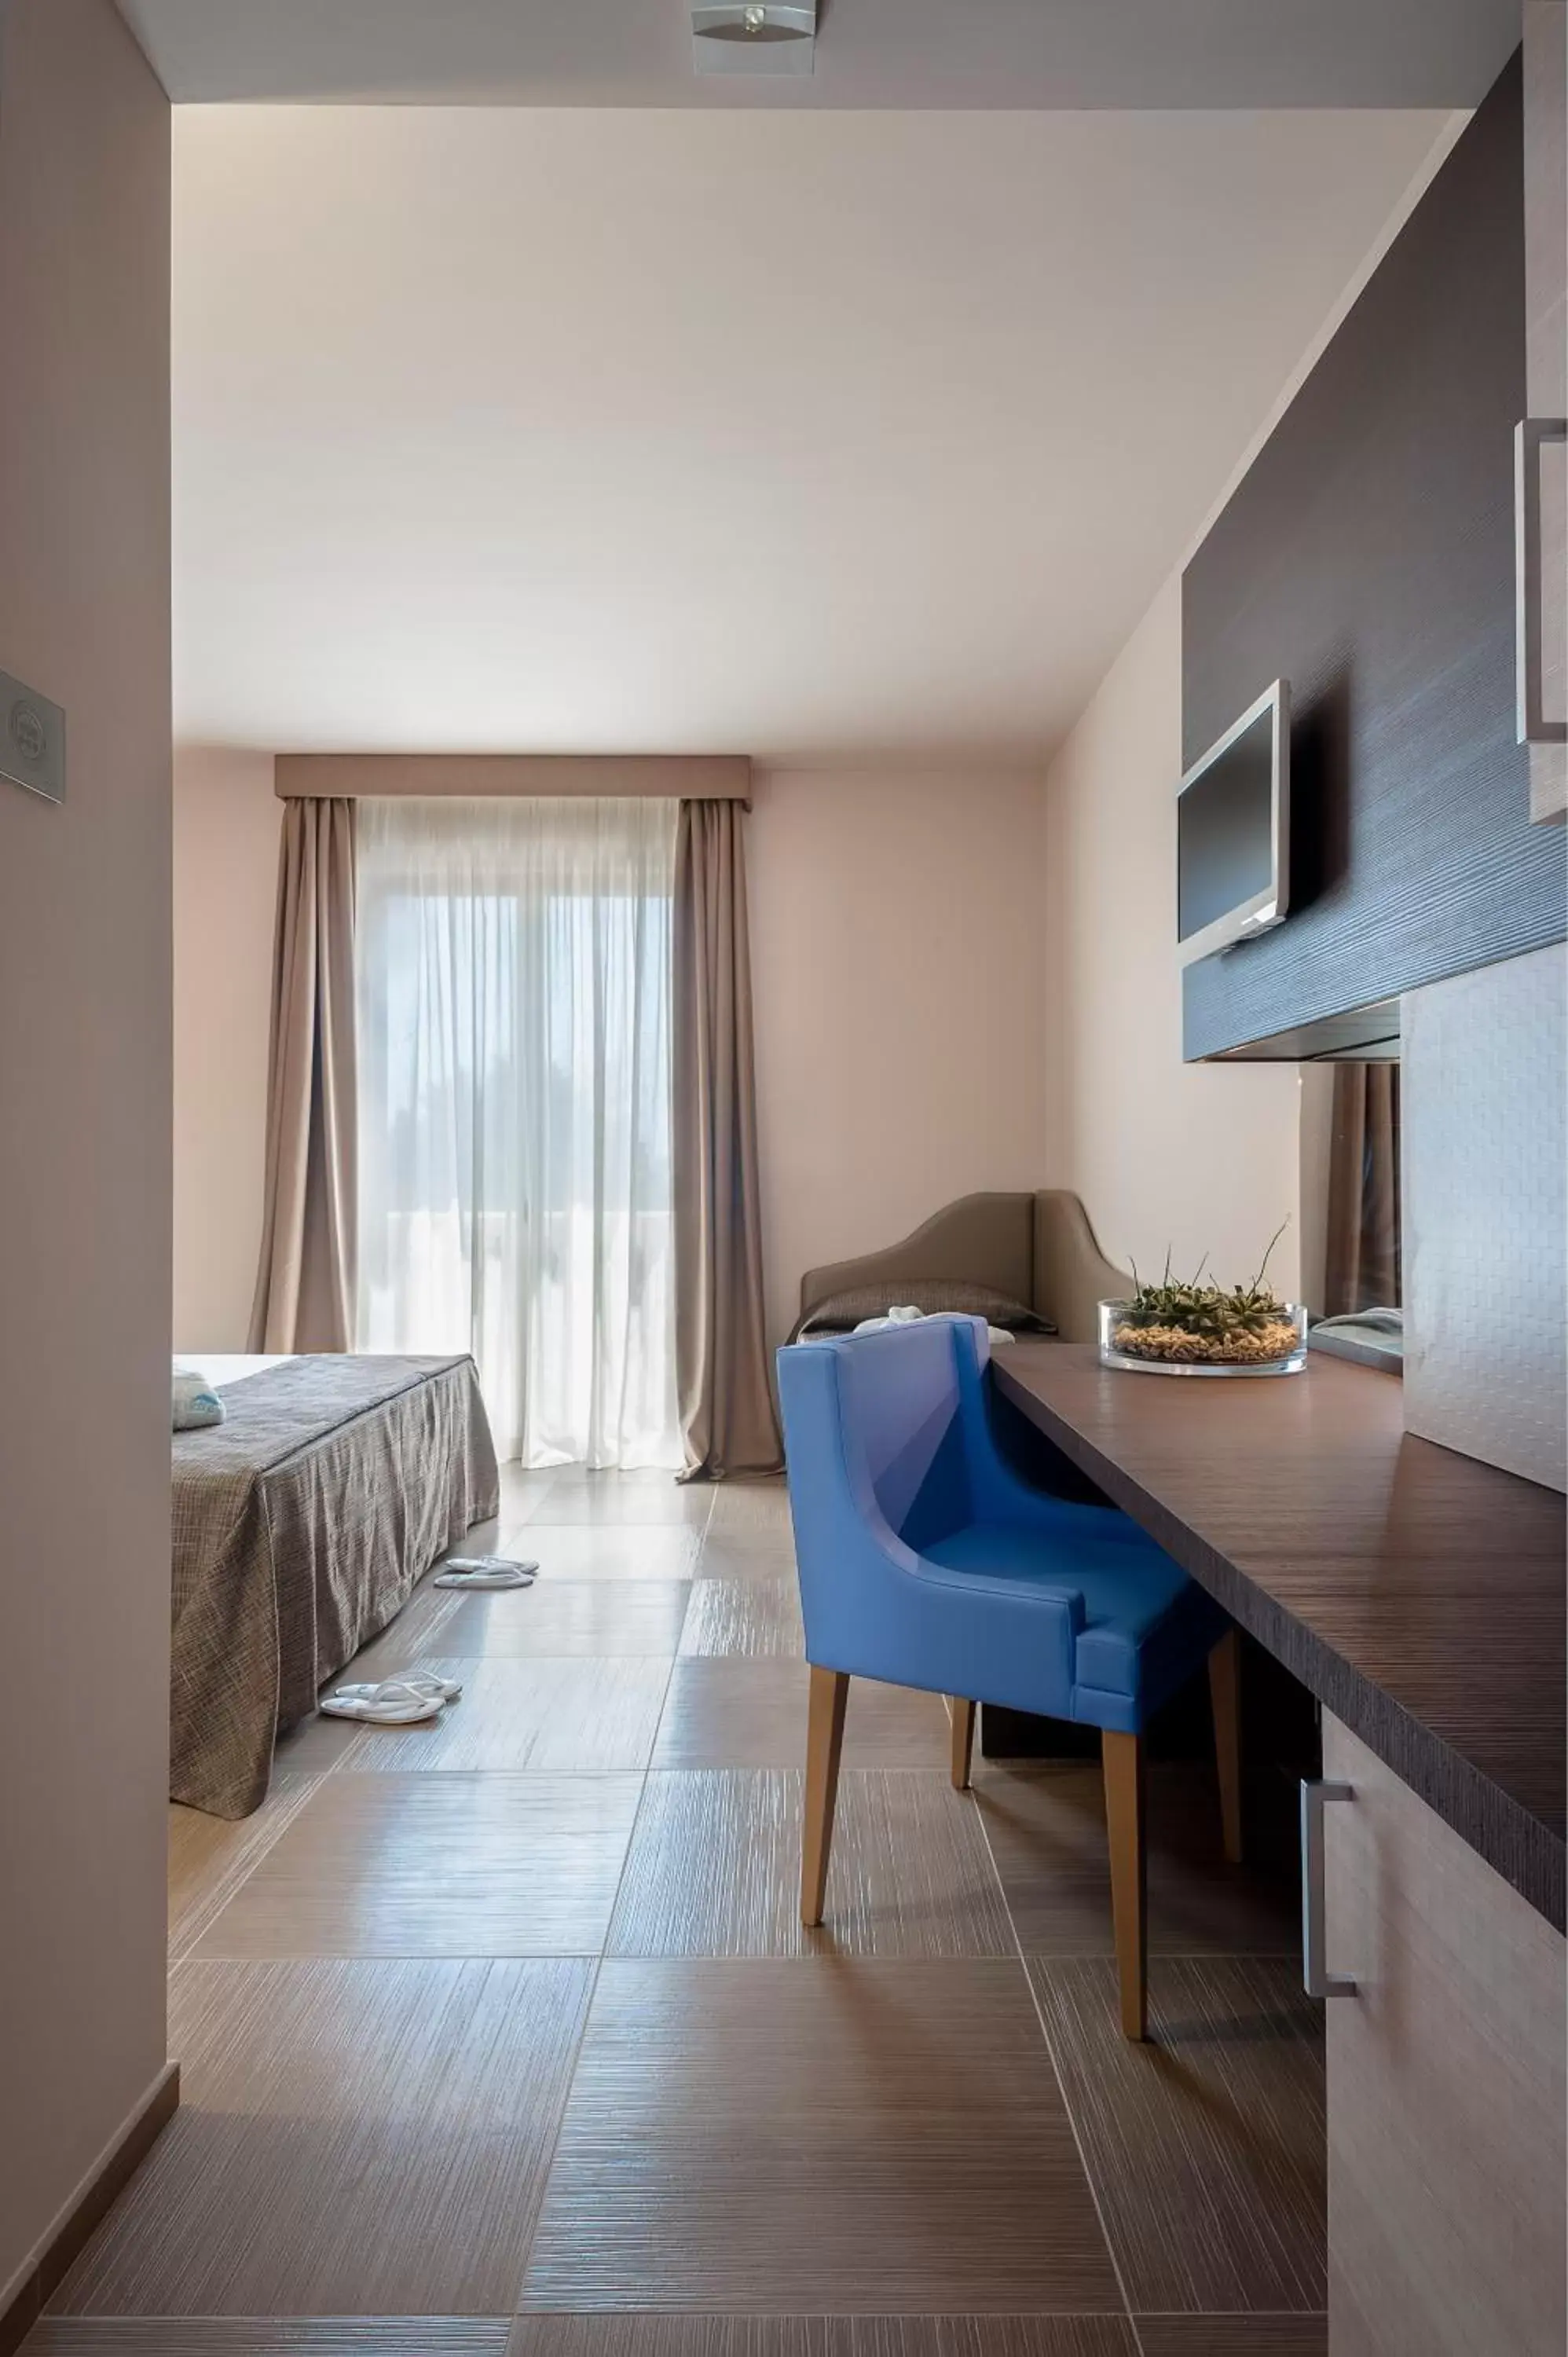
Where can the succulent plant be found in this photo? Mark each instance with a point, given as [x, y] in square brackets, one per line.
[1187, 1319]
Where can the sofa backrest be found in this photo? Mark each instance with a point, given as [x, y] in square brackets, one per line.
[979, 1239]
[1037, 1248]
[1072, 1276]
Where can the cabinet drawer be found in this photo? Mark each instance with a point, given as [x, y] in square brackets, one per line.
[1446, 2175]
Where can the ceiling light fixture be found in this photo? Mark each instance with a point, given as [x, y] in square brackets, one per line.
[749, 36]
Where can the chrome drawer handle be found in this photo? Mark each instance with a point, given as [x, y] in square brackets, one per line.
[1534, 727]
[1316, 1979]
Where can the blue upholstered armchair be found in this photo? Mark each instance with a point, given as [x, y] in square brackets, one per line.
[925, 1561]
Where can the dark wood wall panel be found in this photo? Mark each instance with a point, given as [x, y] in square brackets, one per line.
[1368, 557]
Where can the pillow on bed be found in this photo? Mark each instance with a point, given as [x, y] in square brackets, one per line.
[934, 1295]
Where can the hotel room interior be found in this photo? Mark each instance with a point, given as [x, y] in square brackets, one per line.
[782, 894]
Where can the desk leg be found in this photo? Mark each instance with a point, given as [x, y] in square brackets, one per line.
[1225, 1694]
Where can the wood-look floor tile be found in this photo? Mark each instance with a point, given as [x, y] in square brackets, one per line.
[761, 1506]
[270, 2336]
[1046, 1823]
[736, 1713]
[834, 2136]
[1234, 2335]
[715, 1869]
[209, 1858]
[822, 2335]
[480, 1538]
[559, 1718]
[746, 1555]
[745, 1616]
[605, 1551]
[438, 1866]
[1208, 2147]
[413, 1636]
[554, 1616]
[603, 1501]
[321, 1744]
[353, 2140]
[315, 1745]
[607, 1479]
[523, 1490]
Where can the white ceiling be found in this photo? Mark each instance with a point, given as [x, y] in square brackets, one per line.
[896, 53]
[816, 435]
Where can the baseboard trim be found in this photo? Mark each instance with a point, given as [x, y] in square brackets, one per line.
[104, 2183]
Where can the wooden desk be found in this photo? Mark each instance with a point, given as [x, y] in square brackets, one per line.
[1419, 1595]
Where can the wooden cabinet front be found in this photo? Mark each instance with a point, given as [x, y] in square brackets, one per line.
[1447, 2171]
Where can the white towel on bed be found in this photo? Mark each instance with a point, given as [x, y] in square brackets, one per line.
[195, 1401]
[903, 1313]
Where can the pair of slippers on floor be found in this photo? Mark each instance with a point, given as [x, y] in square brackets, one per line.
[485, 1571]
[419, 1694]
[395, 1702]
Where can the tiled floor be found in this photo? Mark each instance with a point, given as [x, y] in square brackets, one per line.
[503, 2037]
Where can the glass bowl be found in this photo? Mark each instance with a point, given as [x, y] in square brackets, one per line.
[1166, 1351]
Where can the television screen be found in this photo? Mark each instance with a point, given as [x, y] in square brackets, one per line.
[1226, 830]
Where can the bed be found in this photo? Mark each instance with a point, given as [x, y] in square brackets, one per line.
[1036, 1252]
[301, 1525]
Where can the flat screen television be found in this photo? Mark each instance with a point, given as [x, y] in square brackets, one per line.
[1234, 832]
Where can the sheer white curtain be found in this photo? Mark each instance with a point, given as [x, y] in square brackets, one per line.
[513, 1001]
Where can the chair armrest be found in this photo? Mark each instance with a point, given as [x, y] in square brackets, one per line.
[885, 1612]
[1062, 1600]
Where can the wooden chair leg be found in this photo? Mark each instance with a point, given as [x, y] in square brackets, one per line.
[1225, 1695]
[962, 1741]
[1123, 1759]
[824, 1741]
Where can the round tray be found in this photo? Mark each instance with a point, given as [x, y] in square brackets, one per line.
[1131, 1363]
[1291, 1366]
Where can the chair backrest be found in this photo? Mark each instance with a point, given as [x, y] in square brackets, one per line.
[900, 1420]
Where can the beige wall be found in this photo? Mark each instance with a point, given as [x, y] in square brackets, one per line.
[899, 963]
[226, 821]
[84, 1151]
[1203, 1157]
[899, 983]
[959, 983]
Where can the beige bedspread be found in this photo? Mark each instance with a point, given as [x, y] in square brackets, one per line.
[300, 1527]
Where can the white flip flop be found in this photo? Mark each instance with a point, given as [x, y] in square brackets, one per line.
[394, 1703]
[424, 1682]
[485, 1571]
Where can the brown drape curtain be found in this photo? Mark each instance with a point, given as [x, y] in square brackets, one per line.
[1363, 1259]
[727, 1418]
[304, 1286]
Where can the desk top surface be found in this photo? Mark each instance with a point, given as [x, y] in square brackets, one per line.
[1417, 1594]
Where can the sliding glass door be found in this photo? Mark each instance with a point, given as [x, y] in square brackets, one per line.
[513, 1007]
